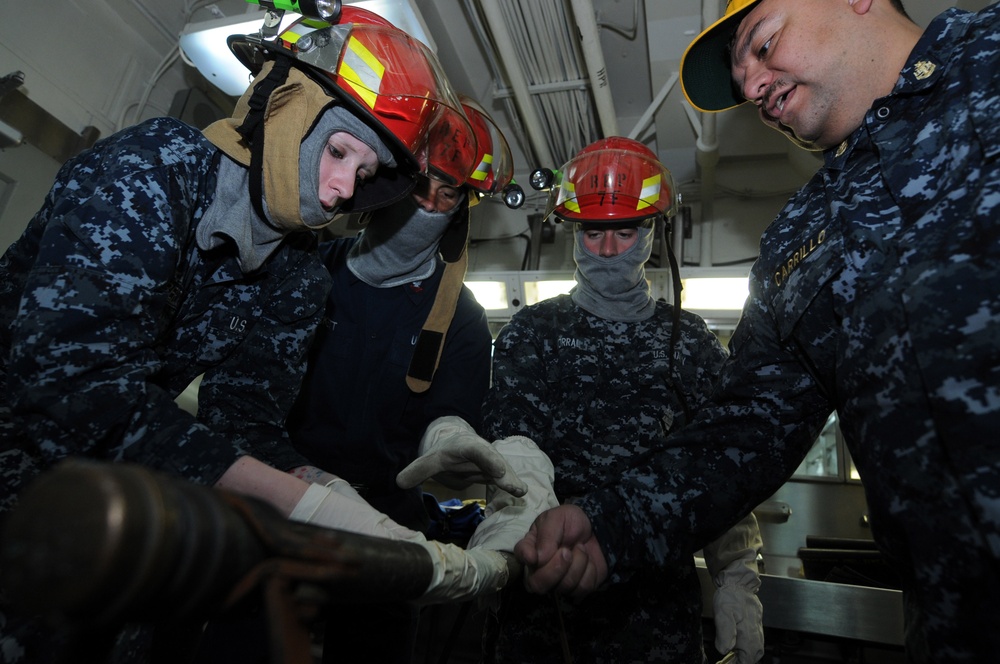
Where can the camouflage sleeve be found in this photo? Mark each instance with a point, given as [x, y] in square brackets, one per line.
[83, 343]
[741, 446]
[700, 357]
[246, 399]
[518, 402]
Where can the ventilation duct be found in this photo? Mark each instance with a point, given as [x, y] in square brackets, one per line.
[560, 90]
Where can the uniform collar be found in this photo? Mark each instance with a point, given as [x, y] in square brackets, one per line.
[426, 289]
[922, 71]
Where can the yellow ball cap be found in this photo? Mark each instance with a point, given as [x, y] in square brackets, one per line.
[706, 77]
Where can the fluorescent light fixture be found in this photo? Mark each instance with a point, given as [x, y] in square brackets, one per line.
[492, 295]
[505, 292]
[9, 136]
[204, 46]
[536, 291]
[204, 43]
[715, 293]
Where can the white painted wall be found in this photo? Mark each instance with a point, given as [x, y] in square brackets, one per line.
[87, 63]
[25, 176]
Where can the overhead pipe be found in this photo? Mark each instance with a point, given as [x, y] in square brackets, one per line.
[515, 77]
[707, 155]
[647, 115]
[500, 91]
[677, 243]
[593, 55]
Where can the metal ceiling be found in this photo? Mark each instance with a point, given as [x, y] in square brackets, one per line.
[535, 64]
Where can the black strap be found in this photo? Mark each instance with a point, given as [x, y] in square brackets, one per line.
[252, 130]
[675, 323]
[430, 342]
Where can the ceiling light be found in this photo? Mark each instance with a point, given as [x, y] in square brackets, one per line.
[318, 9]
[543, 289]
[491, 295]
[714, 293]
[204, 46]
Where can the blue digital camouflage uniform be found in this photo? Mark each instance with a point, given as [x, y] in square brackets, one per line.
[877, 295]
[594, 394]
[108, 310]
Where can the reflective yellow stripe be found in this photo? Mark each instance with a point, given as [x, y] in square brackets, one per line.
[299, 30]
[362, 71]
[650, 192]
[483, 169]
[570, 199]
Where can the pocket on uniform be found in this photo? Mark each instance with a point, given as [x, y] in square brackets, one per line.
[402, 346]
[227, 329]
[802, 275]
[289, 307]
[337, 337]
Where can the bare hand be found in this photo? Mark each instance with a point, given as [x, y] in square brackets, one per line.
[561, 554]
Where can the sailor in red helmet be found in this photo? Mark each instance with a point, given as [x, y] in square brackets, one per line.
[596, 379]
[402, 355]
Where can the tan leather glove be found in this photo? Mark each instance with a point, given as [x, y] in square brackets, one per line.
[732, 564]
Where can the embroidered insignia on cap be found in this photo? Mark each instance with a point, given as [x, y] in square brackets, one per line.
[923, 69]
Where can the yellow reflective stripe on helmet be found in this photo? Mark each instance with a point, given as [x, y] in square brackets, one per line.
[570, 199]
[297, 31]
[483, 169]
[650, 192]
[362, 71]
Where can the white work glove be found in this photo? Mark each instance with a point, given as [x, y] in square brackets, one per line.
[461, 574]
[508, 517]
[458, 574]
[337, 505]
[732, 564]
[453, 454]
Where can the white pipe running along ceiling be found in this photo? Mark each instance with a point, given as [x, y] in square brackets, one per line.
[537, 45]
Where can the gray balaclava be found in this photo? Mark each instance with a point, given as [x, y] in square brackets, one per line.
[615, 287]
[231, 212]
[400, 246]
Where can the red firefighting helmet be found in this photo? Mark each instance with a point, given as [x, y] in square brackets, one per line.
[449, 143]
[355, 14]
[451, 148]
[379, 72]
[494, 166]
[613, 180]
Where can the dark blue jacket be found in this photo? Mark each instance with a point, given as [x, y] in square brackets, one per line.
[356, 417]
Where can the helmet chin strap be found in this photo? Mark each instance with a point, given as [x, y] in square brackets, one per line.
[252, 131]
[430, 342]
[675, 318]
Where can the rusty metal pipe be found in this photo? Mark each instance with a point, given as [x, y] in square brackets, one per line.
[97, 543]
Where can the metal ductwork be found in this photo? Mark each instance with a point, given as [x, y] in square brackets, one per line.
[707, 155]
[556, 75]
[586, 22]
